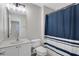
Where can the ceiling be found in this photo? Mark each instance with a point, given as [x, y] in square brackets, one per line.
[54, 6]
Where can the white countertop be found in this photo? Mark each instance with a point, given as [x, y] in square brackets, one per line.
[8, 43]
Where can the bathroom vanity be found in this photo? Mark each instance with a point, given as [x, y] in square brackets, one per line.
[15, 48]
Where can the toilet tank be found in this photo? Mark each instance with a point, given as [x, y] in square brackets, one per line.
[36, 43]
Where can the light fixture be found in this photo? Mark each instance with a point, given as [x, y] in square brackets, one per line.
[16, 8]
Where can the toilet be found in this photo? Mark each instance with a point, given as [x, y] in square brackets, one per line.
[38, 48]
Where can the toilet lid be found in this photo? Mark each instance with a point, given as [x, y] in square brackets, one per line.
[41, 49]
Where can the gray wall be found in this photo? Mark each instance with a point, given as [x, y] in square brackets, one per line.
[47, 10]
[33, 21]
[1, 24]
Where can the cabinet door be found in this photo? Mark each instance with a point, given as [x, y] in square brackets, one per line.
[25, 50]
[11, 51]
[1, 24]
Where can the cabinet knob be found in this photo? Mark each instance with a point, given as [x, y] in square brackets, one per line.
[16, 47]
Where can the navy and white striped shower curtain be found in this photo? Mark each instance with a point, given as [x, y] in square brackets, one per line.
[62, 31]
[63, 23]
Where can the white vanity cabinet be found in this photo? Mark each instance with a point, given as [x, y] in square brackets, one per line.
[17, 50]
[25, 50]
